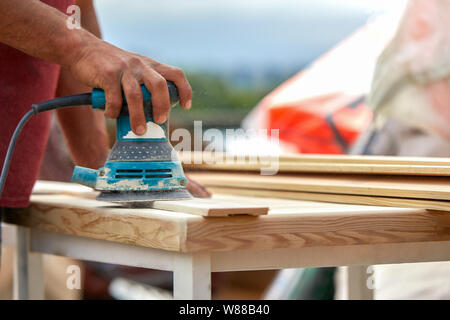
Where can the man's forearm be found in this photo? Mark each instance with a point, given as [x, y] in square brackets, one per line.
[83, 128]
[39, 30]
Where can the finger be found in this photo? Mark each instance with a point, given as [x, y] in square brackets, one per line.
[157, 86]
[197, 190]
[134, 97]
[177, 76]
[113, 96]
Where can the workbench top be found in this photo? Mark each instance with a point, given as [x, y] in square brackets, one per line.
[289, 224]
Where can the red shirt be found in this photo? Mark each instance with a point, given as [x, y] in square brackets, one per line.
[24, 80]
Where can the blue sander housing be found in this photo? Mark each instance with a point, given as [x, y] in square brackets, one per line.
[138, 168]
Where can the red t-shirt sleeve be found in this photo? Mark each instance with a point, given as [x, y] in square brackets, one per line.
[24, 80]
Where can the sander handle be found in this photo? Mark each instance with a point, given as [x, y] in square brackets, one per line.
[99, 99]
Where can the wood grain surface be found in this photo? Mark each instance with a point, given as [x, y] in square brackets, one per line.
[342, 164]
[338, 198]
[203, 207]
[289, 224]
[192, 157]
[100, 220]
[211, 208]
[433, 188]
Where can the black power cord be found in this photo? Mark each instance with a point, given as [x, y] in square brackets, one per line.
[62, 102]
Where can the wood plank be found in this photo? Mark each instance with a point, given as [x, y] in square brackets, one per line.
[288, 226]
[193, 157]
[211, 208]
[317, 227]
[325, 167]
[90, 218]
[368, 159]
[434, 188]
[197, 206]
[339, 198]
[342, 164]
[56, 187]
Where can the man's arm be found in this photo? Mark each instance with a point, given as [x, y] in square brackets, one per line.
[83, 128]
[40, 30]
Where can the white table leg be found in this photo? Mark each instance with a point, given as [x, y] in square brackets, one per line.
[20, 288]
[359, 283]
[36, 286]
[28, 270]
[192, 276]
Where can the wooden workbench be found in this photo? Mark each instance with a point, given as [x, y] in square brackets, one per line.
[294, 234]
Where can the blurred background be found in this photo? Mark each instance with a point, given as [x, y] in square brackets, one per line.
[234, 52]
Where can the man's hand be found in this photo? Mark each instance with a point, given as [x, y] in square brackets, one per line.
[40, 30]
[100, 64]
[197, 190]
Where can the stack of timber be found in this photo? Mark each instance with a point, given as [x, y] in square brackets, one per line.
[411, 182]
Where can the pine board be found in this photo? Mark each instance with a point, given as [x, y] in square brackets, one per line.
[202, 207]
[325, 167]
[342, 164]
[434, 188]
[339, 198]
[55, 187]
[192, 157]
[289, 224]
[211, 208]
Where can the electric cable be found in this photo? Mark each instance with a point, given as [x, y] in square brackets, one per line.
[61, 102]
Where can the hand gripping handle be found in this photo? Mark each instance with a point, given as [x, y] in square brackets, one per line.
[99, 99]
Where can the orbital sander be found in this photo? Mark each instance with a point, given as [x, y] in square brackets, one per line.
[138, 168]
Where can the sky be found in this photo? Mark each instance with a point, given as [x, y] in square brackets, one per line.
[219, 35]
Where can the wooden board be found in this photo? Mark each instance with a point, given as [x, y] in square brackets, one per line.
[434, 188]
[55, 187]
[339, 198]
[289, 224]
[202, 207]
[324, 167]
[341, 164]
[367, 159]
[192, 157]
[211, 208]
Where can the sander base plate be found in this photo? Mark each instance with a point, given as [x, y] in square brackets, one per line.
[143, 196]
